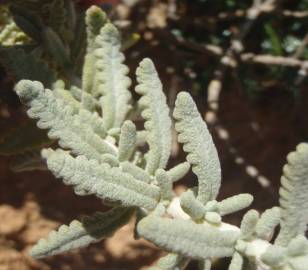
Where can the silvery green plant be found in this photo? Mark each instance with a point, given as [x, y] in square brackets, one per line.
[101, 152]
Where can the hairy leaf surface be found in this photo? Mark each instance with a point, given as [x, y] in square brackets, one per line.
[156, 113]
[198, 143]
[80, 234]
[90, 177]
[188, 238]
[293, 196]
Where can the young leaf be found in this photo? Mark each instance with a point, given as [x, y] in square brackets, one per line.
[95, 20]
[80, 234]
[293, 196]
[156, 113]
[187, 238]
[90, 177]
[111, 76]
[198, 143]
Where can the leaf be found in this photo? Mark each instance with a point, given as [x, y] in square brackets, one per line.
[234, 204]
[187, 238]
[192, 206]
[23, 65]
[80, 234]
[156, 114]
[178, 172]
[111, 76]
[267, 223]
[70, 128]
[127, 141]
[236, 262]
[137, 172]
[248, 224]
[95, 20]
[165, 184]
[198, 143]
[293, 196]
[32, 138]
[90, 177]
[171, 262]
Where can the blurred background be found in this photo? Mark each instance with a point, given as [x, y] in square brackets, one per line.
[244, 62]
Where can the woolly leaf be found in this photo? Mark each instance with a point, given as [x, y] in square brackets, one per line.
[136, 172]
[95, 20]
[267, 223]
[64, 125]
[298, 246]
[248, 224]
[234, 204]
[127, 141]
[32, 138]
[191, 205]
[178, 172]
[293, 196]
[171, 262]
[111, 76]
[23, 65]
[198, 143]
[156, 113]
[191, 240]
[274, 256]
[299, 263]
[90, 177]
[165, 184]
[236, 262]
[80, 234]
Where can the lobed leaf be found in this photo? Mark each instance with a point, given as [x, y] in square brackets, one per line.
[156, 114]
[80, 234]
[267, 223]
[62, 122]
[112, 82]
[95, 20]
[293, 196]
[198, 143]
[90, 177]
[187, 238]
